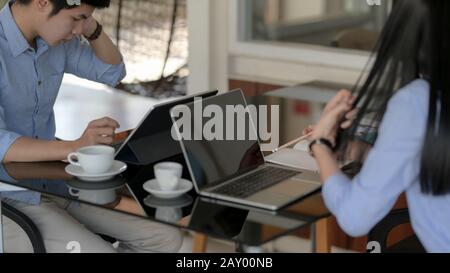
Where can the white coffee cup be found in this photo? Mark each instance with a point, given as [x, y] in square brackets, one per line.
[168, 175]
[93, 159]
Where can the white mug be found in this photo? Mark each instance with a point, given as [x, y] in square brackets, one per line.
[168, 175]
[93, 159]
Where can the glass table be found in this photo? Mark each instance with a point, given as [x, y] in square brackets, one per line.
[242, 224]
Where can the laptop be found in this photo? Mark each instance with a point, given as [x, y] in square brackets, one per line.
[151, 140]
[235, 170]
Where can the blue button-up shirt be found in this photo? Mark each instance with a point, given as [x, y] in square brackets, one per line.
[393, 167]
[30, 80]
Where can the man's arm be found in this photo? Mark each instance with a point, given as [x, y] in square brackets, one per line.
[25, 149]
[40, 170]
[103, 47]
[98, 60]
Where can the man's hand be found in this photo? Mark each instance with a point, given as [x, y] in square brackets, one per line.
[89, 26]
[100, 131]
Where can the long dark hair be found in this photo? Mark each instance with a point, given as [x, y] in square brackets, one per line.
[415, 42]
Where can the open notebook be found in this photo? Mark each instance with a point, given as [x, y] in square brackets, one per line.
[296, 157]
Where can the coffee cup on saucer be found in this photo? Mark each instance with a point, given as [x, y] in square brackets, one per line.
[93, 159]
[168, 175]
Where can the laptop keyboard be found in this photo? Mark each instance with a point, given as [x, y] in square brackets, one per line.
[255, 182]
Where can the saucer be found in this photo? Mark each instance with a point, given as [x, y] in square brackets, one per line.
[116, 168]
[116, 183]
[179, 202]
[152, 187]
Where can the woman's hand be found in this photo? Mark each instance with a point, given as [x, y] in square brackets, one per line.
[329, 122]
[342, 96]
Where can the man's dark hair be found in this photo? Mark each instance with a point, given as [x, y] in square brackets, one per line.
[58, 5]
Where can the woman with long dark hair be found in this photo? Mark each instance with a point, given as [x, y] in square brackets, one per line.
[404, 108]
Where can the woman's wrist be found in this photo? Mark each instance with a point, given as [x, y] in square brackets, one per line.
[319, 150]
[317, 135]
[320, 142]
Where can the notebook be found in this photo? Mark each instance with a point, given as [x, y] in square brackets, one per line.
[296, 157]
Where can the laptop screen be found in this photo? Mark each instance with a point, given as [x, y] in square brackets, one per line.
[222, 142]
[151, 141]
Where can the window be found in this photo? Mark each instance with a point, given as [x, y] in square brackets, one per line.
[348, 24]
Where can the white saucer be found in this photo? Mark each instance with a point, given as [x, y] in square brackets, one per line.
[78, 184]
[117, 167]
[179, 202]
[152, 187]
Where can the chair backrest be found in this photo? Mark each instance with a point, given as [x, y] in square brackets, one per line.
[27, 225]
[380, 233]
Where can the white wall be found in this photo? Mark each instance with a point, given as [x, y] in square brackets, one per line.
[208, 45]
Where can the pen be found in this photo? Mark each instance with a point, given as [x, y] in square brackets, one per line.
[292, 142]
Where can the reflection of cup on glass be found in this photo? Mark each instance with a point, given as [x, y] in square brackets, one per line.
[167, 214]
[168, 210]
[168, 175]
[93, 159]
[101, 197]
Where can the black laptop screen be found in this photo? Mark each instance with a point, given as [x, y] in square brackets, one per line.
[230, 150]
[152, 140]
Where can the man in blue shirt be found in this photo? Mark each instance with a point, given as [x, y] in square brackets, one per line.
[37, 49]
[40, 40]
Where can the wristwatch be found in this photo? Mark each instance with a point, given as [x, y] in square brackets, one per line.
[97, 33]
[320, 141]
